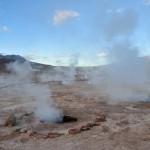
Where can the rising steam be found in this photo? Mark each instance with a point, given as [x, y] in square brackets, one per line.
[126, 73]
[22, 77]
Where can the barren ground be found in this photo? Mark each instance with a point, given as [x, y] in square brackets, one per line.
[127, 125]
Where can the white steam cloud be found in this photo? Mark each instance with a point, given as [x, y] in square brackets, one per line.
[126, 76]
[127, 71]
[22, 78]
[121, 25]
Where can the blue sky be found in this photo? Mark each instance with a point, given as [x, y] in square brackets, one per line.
[56, 31]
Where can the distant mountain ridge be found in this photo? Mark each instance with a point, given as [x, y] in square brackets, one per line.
[5, 59]
[13, 58]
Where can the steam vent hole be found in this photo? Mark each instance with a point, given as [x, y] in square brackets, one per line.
[65, 119]
[68, 119]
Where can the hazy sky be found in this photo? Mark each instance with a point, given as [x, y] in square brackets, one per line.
[59, 31]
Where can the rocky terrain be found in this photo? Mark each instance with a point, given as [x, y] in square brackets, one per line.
[89, 119]
[99, 125]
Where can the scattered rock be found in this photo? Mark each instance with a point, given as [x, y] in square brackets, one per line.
[146, 138]
[93, 124]
[44, 136]
[10, 121]
[17, 129]
[30, 132]
[94, 136]
[74, 131]
[54, 135]
[123, 122]
[23, 130]
[98, 120]
[28, 113]
[101, 118]
[84, 128]
[131, 108]
[96, 124]
[90, 125]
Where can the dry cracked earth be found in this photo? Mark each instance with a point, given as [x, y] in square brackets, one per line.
[99, 125]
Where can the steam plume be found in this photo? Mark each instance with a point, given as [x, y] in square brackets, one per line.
[22, 76]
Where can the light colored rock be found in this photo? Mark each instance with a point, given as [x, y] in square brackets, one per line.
[84, 128]
[23, 130]
[30, 132]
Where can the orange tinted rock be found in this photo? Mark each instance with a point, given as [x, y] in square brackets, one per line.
[74, 131]
[54, 135]
[101, 118]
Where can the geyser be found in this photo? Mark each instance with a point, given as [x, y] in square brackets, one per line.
[39, 95]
